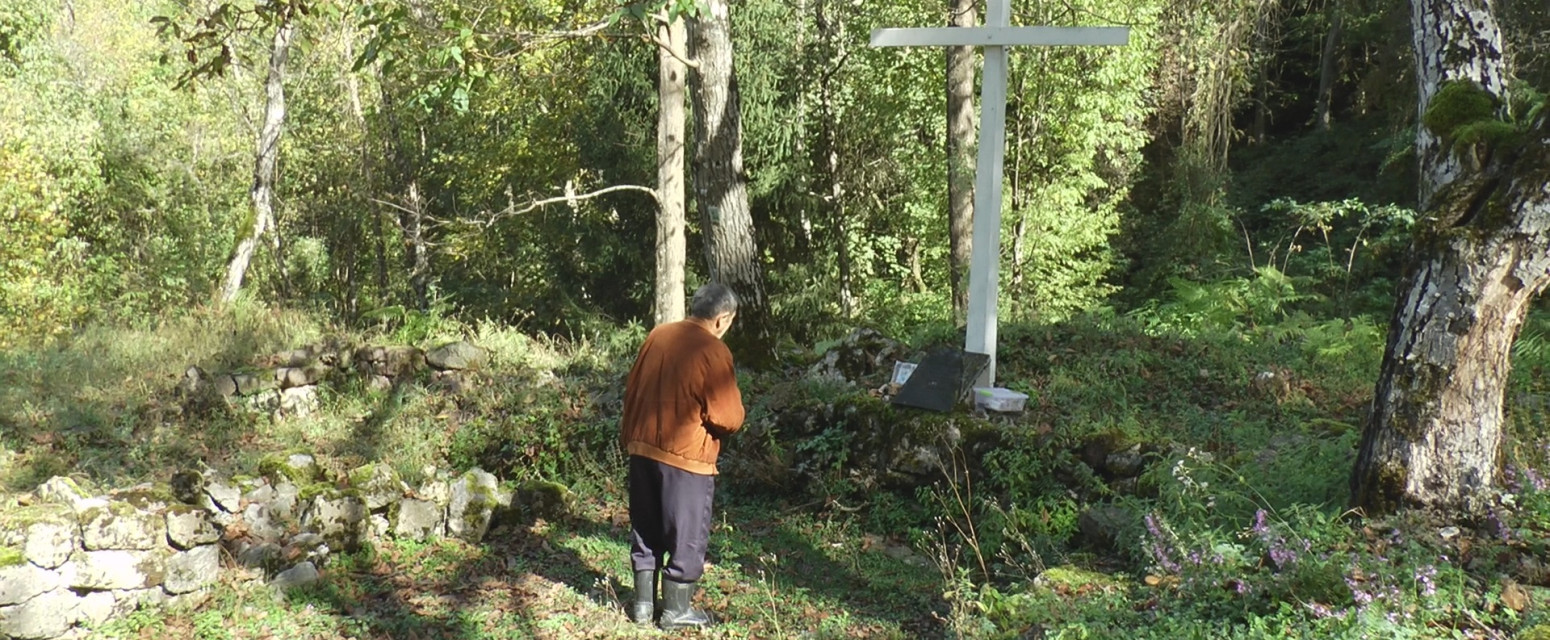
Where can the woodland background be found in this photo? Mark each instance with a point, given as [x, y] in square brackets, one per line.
[1204, 234]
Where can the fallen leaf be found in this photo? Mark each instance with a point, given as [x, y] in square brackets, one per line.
[1515, 596]
[1152, 581]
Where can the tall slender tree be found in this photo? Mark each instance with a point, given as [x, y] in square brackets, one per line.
[266, 155]
[961, 134]
[670, 252]
[1480, 258]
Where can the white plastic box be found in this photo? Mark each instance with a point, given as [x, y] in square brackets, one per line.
[999, 399]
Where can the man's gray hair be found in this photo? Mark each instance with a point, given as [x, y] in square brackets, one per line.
[712, 300]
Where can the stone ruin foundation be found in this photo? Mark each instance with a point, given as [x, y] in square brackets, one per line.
[71, 559]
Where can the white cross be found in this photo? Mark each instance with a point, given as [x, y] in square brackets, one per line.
[995, 37]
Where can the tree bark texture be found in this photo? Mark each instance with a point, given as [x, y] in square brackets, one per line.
[1480, 258]
[832, 33]
[721, 186]
[1454, 40]
[960, 158]
[1329, 66]
[265, 158]
[668, 305]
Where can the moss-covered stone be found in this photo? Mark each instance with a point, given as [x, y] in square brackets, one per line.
[11, 557]
[299, 468]
[544, 499]
[18, 519]
[1537, 632]
[152, 498]
[1069, 579]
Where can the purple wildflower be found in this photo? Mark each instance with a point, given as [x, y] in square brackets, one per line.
[1160, 544]
[1423, 577]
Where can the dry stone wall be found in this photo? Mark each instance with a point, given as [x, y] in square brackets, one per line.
[286, 384]
[71, 560]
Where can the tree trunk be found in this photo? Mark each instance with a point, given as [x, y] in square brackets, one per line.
[833, 37]
[960, 158]
[265, 158]
[416, 257]
[721, 186]
[1434, 434]
[668, 305]
[1328, 66]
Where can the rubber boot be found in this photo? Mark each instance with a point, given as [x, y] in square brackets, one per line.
[644, 608]
[677, 613]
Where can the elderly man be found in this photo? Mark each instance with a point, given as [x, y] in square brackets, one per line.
[680, 400]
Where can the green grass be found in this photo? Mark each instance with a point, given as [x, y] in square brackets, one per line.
[793, 576]
[820, 553]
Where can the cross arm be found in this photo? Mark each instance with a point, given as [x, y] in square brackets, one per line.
[999, 36]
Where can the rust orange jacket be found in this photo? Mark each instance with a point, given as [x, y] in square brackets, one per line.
[681, 398]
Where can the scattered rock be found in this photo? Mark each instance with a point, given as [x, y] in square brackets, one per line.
[544, 499]
[378, 484]
[299, 575]
[263, 523]
[457, 356]
[1067, 580]
[379, 383]
[1102, 526]
[259, 555]
[226, 497]
[299, 402]
[264, 492]
[1125, 464]
[65, 491]
[339, 517]
[864, 353]
[417, 519]
[224, 384]
[379, 527]
[188, 487]
[299, 468]
[472, 505]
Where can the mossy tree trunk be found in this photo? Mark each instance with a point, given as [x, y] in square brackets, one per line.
[1481, 255]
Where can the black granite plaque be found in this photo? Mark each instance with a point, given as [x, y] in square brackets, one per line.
[941, 379]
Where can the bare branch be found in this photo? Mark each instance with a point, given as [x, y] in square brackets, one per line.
[651, 34]
[570, 198]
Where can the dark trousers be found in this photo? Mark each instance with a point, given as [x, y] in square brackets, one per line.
[670, 518]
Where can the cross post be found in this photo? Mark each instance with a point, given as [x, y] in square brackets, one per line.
[994, 38]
